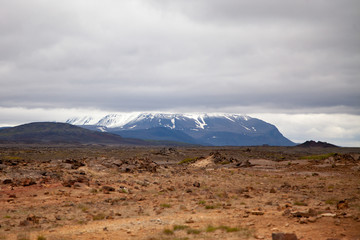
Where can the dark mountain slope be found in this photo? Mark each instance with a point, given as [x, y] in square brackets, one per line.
[157, 133]
[49, 132]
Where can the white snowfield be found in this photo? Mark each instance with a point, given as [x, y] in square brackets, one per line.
[119, 120]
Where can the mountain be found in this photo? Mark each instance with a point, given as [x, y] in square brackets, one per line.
[204, 129]
[50, 132]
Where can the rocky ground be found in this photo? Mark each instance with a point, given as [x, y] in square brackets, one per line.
[99, 192]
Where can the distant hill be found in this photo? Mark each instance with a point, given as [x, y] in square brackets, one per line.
[318, 144]
[50, 132]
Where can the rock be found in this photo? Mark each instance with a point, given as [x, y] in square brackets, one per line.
[75, 164]
[343, 204]
[284, 236]
[196, 184]
[312, 219]
[68, 182]
[303, 221]
[328, 215]
[337, 222]
[7, 181]
[272, 190]
[108, 188]
[190, 220]
[309, 213]
[32, 218]
[26, 182]
[258, 213]
[24, 223]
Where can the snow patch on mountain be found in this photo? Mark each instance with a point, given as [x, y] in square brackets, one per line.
[119, 120]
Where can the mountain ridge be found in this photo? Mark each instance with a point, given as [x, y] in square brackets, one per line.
[209, 129]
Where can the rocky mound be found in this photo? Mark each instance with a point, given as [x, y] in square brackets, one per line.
[217, 159]
[318, 144]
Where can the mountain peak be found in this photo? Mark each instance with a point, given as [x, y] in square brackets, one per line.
[203, 128]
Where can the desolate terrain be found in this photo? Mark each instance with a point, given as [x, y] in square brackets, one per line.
[104, 192]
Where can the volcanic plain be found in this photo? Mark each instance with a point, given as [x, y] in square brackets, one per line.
[113, 192]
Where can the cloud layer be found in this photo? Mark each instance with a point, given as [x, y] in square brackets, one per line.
[291, 57]
[141, 55]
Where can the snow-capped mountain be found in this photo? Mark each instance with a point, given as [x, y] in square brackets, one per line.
[204, 129]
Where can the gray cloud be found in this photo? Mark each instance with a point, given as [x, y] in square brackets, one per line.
[259, 56]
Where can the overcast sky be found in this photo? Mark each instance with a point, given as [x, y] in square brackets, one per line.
[295, 64]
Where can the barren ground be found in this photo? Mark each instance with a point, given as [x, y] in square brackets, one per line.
[98, 192]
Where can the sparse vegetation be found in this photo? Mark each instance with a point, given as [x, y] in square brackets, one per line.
[168, 231]
[193, 231]
[187, 160]
[178, 202]
[297, 203]
[180, 227]
[165, 205]
[99, 216]
[318, 157]
[331, 201]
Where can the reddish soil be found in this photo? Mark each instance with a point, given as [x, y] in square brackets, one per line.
[94, 192]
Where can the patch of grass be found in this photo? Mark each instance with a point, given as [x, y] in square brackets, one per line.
[222, 227]
[165, 205]
[297, 203]
[211, 228]
[225, 162]
[180, 227]
[187, 160]
[331, 201]
[167, 231]
[99, 216]
[201, 202]
[318, 157]
[41, 237]
[7, 216]
[210, 207]
[93, 190]
[229, 229]
[193, 231]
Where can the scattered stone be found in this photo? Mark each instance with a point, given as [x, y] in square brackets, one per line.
[328, 215]
[337, 222]
[24, 223]
[303, 220]
[108, 188]
[259, 236]
[7, 181]
[310, 213]
[27, 182]
[343, 204]
[196, 184]
[32, 218]
[272, 190]
[190, 220]
[257, 213]
[284, 236]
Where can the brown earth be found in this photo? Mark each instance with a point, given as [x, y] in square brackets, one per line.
[100, 192]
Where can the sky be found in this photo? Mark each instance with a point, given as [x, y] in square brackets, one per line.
[295, 64]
